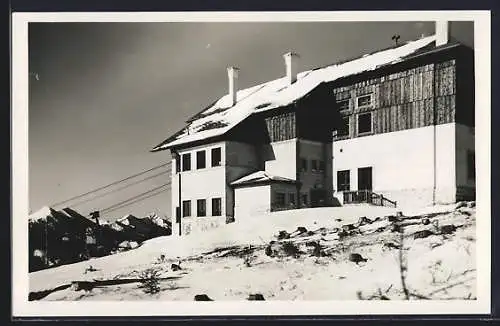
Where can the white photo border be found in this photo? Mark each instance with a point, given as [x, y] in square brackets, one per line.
[21, 307]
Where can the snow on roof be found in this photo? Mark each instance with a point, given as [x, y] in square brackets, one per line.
[260, 176]
[41, 214]
[126, 219]
[220, 117]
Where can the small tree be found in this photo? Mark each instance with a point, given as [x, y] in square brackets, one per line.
[150, 280]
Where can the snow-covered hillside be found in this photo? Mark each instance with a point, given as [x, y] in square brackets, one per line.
[434, 250]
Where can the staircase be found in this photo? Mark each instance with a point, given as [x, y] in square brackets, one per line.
[368, 197]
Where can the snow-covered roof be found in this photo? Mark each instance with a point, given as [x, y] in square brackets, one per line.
[41, 214]
[260, 176]
[221, 117]
[126, 219]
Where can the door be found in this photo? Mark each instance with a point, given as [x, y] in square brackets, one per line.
[318, 197]
[365, 178]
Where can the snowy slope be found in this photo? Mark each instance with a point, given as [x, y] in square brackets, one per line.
[439, 267]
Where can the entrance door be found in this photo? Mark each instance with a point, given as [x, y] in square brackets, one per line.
[365, 178]
[318, 197]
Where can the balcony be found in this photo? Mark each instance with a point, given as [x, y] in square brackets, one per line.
[367, 197]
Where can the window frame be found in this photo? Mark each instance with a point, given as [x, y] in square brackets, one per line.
[342, 107]
[341, 186]
[178, 214]
[345, 126]
[198, 159]
[215, 150]
[216, 207]
[291, 199]
[178, 164]
[188, 156]
[198, 206]
[370, 104]
[371, 123]
[188, 213]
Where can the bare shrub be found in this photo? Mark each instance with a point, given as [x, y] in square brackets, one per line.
[248, 259]
[150, 280]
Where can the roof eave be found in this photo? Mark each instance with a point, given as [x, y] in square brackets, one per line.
[263, 182]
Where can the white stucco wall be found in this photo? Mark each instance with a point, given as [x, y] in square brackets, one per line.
[280, 158]
[206, 183]
[403, 163]
[252, 201]
[193, 225]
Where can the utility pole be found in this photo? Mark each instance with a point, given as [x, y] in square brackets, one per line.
[46, 246]
[95, 216]
[395, 38]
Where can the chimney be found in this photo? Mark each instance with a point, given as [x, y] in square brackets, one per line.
[291, 62]
[232, 75]
[442, 32]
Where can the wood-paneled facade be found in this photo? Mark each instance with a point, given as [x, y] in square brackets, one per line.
[409, 95]
[281, 127]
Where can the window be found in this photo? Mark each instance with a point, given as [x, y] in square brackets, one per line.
[365, 123]
[343, 129]
[343, 105]
[177, 214]
[291, 199]
[216, 206]
[216, 156]
[177, 165]
[314, 165]
[186, 208]
[471, 165]
[343, 180]
[364, 101]
[303, 164]
[201, 207]
[201, 160]
[186, 162]
[321, 166]
[280, 199]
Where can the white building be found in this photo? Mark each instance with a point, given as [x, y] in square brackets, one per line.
[395, 127]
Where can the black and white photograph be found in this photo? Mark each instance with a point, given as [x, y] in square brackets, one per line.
[244, 157]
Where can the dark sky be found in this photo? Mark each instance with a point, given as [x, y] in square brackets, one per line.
[108, 92]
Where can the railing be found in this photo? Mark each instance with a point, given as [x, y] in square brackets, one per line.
[367, 196]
